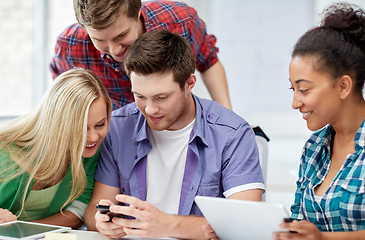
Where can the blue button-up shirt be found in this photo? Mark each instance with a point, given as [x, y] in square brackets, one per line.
[342, 207]
[222, 154]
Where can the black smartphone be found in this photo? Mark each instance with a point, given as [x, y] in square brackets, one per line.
[104, 209]
[289, 220]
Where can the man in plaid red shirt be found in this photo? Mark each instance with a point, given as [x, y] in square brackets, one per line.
[106, 29]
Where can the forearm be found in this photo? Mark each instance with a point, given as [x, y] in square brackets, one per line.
[186, 227]
[89, 218]
[248, 195]
[67, 219]
[355, 235]
[215, 80]
[101, 191]
[307, 230]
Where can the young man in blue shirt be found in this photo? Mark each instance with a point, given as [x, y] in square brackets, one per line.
[168, 147]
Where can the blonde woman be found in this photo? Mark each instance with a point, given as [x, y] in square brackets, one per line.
[48, 157]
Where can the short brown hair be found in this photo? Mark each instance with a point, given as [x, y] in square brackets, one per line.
[161, 51]
[100, 14]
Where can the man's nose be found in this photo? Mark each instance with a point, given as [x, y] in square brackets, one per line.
[115, 48]
[151, 108]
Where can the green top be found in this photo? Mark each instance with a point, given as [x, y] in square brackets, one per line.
[37, 203]
[11, 192]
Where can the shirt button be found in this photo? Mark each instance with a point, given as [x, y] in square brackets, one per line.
[135, 157]
[135, 111]
[123, 190]
[210, 116]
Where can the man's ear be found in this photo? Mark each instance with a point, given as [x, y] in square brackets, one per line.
[345, 85]
[190, 83]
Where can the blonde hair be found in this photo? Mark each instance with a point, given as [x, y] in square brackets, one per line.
[52, 137]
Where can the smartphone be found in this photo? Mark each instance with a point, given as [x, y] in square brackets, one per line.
[289, 220]
[104, 209]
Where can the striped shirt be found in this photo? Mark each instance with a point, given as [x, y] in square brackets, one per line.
[342, 207]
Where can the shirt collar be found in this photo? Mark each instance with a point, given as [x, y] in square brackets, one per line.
[200, 122]
[141, 132]
[326, 136]
[198, 128]
[360, 135]
[109, 60]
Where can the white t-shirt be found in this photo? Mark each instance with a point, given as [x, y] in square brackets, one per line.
[166, 166]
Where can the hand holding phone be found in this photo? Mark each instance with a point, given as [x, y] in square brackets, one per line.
[104, 209]
[289, 220]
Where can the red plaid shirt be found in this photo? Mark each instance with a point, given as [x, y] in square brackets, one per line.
[75, 49]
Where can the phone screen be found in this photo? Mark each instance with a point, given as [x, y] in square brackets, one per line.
[20, 229]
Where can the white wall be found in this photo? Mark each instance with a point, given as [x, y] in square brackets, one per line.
[255, 38]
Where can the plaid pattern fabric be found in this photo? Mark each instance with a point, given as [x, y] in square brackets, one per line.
[342, 207]
[75, 49]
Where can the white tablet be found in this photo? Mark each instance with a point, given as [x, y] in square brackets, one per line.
[238, 219]
[27, 230]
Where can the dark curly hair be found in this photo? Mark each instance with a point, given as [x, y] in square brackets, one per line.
[338, 43]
